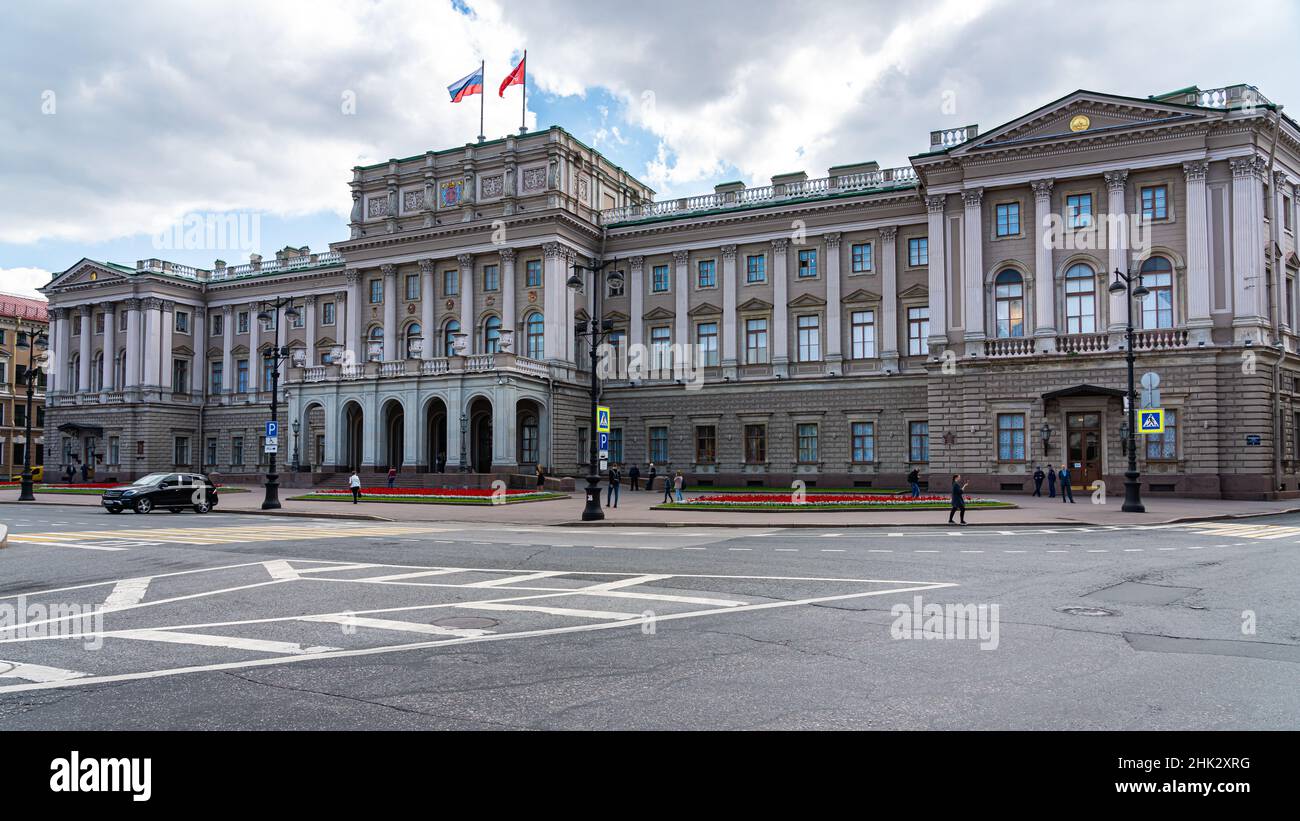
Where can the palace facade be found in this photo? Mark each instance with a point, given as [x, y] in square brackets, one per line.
[950, 315]
[22, 321]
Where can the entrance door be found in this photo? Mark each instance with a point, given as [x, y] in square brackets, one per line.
[1083, 438]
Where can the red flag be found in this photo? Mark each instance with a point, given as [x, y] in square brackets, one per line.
[515, 78]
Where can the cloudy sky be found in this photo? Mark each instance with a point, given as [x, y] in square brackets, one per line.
[119, 119]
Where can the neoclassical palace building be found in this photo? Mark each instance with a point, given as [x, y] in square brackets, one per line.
[951, 315]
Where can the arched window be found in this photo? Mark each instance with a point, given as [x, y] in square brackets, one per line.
[413, 332]
[536, 336]
[492, 334]
[528, 439]
[1009, 302]
[375, 350]
[97, 372]
[449, 337]
[1080, 300]
[1158, 307]
[74, 372]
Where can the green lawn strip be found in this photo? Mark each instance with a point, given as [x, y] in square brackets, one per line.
[878, 491]
[809, 508]
[469, 500]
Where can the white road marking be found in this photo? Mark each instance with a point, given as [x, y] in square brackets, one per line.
[630, 581]
[400, 626]
[526, 577]
[554, 611]
[232, 642]
[412, 575]
[280, 570]
[36, 673]
[127, 592]
[54, 542]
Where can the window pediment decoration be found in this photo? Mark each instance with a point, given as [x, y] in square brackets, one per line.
[704, 309]
[806, 301]
[617, 316]
[915, 292]
[658, 313]
[182, 350]
[325, 342]
[754, 304]
[239, 350]
[860, 296]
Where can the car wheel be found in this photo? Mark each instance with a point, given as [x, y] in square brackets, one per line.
[113, 509]
[143, 506]
[202, 507]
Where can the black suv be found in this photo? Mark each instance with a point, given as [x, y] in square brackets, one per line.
[173, 491]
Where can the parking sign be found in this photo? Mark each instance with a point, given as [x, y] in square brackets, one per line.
[272, 430]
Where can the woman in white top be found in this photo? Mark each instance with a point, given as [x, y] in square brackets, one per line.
[354, 482]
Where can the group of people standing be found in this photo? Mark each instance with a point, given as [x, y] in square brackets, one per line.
[673, 483]
[1053, 476]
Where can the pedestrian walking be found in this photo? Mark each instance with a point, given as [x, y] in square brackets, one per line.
[914, 481]
[1051, 482]
[615, 480]
[668, 487]
[1038, 480]
[85, 471]
[354, 482]
[650, 479]
[678, 481]
[541, 477]
[1067, 492]
[392, 476]
[634, 476]
[958, 500]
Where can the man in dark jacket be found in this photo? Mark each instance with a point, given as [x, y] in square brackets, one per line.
[615, 481]
[634, 476]
[1051, 482]
[668, 486]
[958, 500]
[914, 481]
[650, 479]
[1067, 492]
[1038, 480]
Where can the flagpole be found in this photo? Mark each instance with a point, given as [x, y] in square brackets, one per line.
[482, 95]
[523, 104]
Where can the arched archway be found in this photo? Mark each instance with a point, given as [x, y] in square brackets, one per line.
[394, 419]
[312, 453]
[352, 436]
[435, 435]
[528, 432]
[480, 435]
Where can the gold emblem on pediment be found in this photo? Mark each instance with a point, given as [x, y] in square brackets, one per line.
[1080, 122]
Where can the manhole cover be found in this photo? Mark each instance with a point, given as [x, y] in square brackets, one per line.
[1075, 610]
[466, 622]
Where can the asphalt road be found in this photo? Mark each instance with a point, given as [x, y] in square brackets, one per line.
[236, 622]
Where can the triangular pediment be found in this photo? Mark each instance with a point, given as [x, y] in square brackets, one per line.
[806, 301]
[581, 314]
[915, 292]
[1085, 114]
[239, 350]
[182, 350]
[616, 316]
[325, 342]
[214, 351]
[704, 309]
[658, 313]
[859, 296]
[1292, 260]
[754, 304]
[84, 272]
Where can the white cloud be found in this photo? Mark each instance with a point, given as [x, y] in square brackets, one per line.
[23, 281]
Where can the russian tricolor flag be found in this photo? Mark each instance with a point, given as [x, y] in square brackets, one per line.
[470, 84]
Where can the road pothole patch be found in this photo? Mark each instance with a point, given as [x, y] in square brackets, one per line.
[1079, 610]
[1142, 593]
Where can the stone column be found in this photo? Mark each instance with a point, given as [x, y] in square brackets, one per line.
[134, 346]
[682, 299]
[199, 361]
[466, 263]
[227, 348]
[428, 310]
[888, 298]
[636, 293]
[254, 352]
[390, 312]
[729, 330]
[56, 370]
[1044, 275]
[1117, 242]
[972, 270]
[1249, 292]
[166, 326]
[110, 345]
[938, 274]
[554, 304]
[508, 318]
[834, 310]
[780, 309]
[152, 343]
[350, 319]
[83, 365]
[1199, 321]
[1278, 185]
[570, 310]
[309, 328]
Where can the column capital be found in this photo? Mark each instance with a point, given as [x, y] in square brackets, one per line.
[340, 295]
[465, 260]
[553, 250]
[972, 197]
[888, 233]
[152, 303]
[780, 245]
[353, 276]
[107, 306]
[1043, 188]
[389, 271]
[681, 257]
[636, 262]
[168, 305]
[507, 255]
[832, 240]
[227, 310]
[1279, 177]
[1115, 180]
[934, 203]
[427, 266]
[132, 304]
[58, 313]
[309, 299]
[1196, 170]
[728, 252]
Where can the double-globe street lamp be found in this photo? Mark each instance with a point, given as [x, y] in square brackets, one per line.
[596, 329]
[1131, 286]
[32, 343]
[269, 313]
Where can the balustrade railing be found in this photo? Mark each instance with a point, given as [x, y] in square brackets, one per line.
[1156, 340]
[1081, 343]
[1011, 346]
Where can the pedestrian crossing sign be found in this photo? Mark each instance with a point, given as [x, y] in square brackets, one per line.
[602, 419]
[1151, 421]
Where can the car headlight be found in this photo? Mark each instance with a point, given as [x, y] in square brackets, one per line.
[128, 493]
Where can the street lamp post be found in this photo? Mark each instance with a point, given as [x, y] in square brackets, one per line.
[270, 312]
[597, 329]
[33, 343]
[296, 464]
[1131, 286]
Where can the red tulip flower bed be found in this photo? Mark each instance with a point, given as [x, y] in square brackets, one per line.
[822, 501]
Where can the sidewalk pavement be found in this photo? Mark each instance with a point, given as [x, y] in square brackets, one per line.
[635, 511]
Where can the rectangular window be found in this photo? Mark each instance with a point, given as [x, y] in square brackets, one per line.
[918, 330]
[237, 450]
[99, 324]
[1011, 437]
[182, 322]
[862, 331]
[491, 278]
[706, 342]
[918, 251]
[1008, 215]
[181, 451]
[216, 375]
[212, 450]
[180, 376]
[450, 282]
[241, 376]
[661, 355]
[807, 264]
[658, 445]
[864, 442]
[806, 433]
[862, 258]
[412, 287]
[1155, 202]
[810, 338]
[1163, 447]
[261, 451]
[1286, 213]
[376, 291]
[756, 268]
[1078, 210]
[268, 372]
[918, 442]
[755, 444]
[114, 450]
[706, 444]
[659, 279]
[616, 446]
[584, 452]
[533, 273]
[217, 322]
[706, 274]
[756, 341]
[327, 313]
[241, 323]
